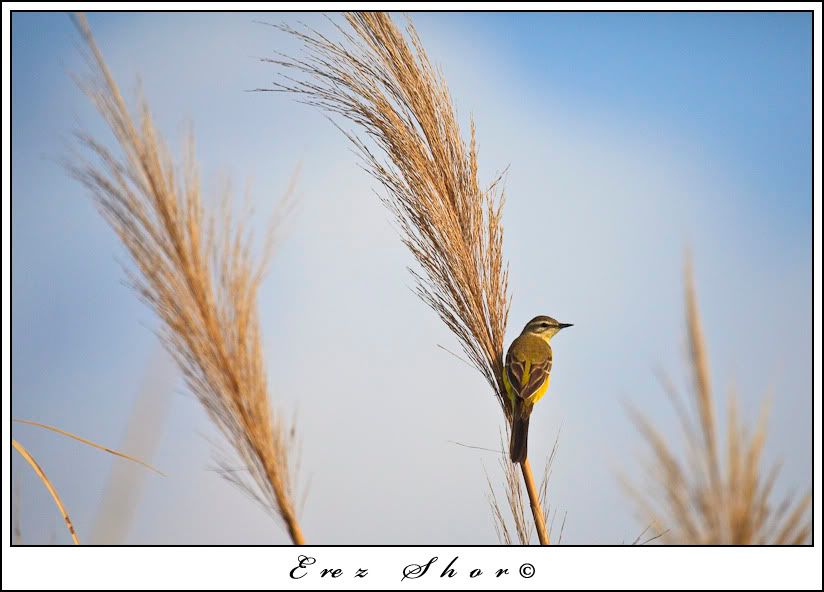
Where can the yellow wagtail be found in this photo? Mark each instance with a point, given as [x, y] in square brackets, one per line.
[526, 376]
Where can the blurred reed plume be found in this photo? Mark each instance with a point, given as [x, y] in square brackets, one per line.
[198, 273]
[124, 488]
[708, 500]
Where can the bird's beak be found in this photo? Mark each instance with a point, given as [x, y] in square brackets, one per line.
[564, 325]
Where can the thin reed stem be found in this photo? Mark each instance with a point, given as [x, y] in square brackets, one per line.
[89, 443]
[52, 491]
[535, 502]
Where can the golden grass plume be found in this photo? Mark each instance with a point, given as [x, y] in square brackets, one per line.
[199, 275]
[452, 226]
[709, 499]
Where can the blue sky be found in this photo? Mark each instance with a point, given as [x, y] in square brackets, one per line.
[629, 137]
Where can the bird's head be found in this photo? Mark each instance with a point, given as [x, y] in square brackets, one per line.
[544, 327]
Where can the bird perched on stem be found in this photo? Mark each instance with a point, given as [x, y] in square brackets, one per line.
[526, 377]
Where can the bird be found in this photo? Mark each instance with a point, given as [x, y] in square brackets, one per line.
[526, 377]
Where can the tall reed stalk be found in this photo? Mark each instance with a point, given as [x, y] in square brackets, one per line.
[388, 88]
[721, 493]
[197, 272]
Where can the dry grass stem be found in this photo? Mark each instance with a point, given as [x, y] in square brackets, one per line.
[88, 442]
[534, 502]
[52, 491]
[641, 541]
[199, 275]
[719, 495]
[387, 87]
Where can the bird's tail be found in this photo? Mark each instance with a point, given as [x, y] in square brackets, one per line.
[517, 443]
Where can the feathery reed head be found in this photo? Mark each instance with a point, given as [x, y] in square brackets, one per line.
[387, 87]
[712, 501]
[201, 278]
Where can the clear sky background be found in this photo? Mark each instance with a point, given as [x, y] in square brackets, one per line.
[629, 138]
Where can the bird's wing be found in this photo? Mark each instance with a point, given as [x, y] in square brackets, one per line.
[526, 377]
[538, 375]
[514, 371]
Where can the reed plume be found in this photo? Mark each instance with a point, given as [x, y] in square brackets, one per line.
[706, 499]
[198, 273]
[388, 88]
[451, 225]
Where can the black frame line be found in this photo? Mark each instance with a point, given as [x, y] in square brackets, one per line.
[434, 544]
